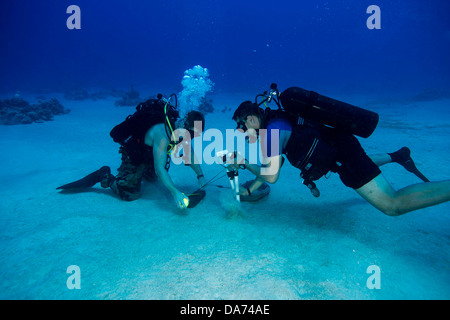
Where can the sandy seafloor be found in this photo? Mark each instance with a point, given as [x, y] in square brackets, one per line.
[287, 246]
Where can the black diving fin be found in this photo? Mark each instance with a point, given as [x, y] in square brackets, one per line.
[403, 157]
[88, 181]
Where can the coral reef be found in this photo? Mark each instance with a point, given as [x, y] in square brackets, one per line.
[430, 94]
[196, 84]
[206, 106]
[130, 98]
[19, 111]
[225, 109]
[79, 94]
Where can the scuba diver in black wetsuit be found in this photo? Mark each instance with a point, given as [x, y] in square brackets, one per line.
[317, 148]
[147, 137]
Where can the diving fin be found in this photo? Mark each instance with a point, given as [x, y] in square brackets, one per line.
[88, 181]
[196, 197]
[403, 157]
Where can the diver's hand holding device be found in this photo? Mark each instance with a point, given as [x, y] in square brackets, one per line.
[228, 159]
[231, 158]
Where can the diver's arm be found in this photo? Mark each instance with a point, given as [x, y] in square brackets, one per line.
[269, 173]
[195, 166]
[263, 174]
[266, 173]
[159, 160]
[197, 169]
[270, 170]
[160, 144]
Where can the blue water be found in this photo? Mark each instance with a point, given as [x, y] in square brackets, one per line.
[290, 246]
[245, 44]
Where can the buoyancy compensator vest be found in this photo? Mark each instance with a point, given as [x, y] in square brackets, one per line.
[314, 118]
[130, 133]
[309, 149]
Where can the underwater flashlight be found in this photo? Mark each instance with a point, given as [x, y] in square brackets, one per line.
[186, 201]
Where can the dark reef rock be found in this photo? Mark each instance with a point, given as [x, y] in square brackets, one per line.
[77, 94]
[206, 106]
[83, 94]
[431, 94]
[130, 98]
[225, 109]
[19, 111]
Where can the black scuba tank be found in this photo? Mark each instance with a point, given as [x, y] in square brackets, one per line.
[147, 114]
[330, 112]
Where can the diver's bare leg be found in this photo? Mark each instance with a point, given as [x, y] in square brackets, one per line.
[381, 159]
[382, 195]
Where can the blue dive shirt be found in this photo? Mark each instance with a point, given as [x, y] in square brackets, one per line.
[276, 124]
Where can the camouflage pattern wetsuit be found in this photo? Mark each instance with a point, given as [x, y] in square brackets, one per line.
[127, 183]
